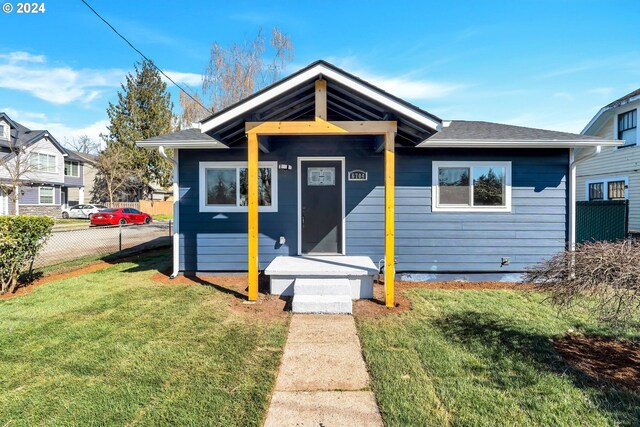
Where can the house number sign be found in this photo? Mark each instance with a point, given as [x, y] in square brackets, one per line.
[357, 175]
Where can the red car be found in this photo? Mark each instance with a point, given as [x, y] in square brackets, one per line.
[120, 216]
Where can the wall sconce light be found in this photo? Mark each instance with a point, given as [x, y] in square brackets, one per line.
[284, 167]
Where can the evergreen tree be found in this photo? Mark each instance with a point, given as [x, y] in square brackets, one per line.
[143, 110]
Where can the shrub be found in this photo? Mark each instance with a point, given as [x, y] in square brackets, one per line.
[603, 276]
[21, 238]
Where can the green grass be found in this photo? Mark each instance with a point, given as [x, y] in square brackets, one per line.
[115, 348]
[162, 217]
[482, 358]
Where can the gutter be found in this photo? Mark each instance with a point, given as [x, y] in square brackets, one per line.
[176, 213]
[586, 154]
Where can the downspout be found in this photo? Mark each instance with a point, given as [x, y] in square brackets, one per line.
[176, 213]
[574, 160]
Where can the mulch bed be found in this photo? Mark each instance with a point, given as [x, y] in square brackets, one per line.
[376, 307]
[235, 286]
[603, 359]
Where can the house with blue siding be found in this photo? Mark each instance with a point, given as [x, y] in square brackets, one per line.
[322, 180]
[46, 176]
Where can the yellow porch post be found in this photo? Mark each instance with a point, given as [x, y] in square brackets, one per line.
[252, 190]
[389, 218]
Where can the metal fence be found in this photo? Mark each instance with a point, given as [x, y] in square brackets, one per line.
[71, 244]
[602, 220]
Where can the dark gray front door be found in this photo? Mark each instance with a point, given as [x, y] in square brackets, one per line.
[321, 206]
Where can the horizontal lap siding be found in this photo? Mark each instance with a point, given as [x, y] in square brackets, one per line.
[425, 241]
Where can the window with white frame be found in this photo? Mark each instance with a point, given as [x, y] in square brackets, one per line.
[627, 128]
[71, 168]
[43, 162]
[471, 186]
[223, 187]
[4, 131]
[46, 196]
[612, 188]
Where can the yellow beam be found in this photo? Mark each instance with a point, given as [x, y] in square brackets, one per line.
[321, 127]
[321, 99]
[389, 213]
[252, 190]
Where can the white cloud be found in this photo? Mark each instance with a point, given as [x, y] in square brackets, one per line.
[25, 72]
[60, 131]
[190, 79]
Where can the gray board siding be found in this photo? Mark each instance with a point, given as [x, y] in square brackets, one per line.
[75, 180]
[425, 241]
[31, 195]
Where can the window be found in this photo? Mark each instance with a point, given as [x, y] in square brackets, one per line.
[223, 187]
[596, 191]
[627, 127]
[471, 187]
[71, 168]
[4, 131]
[43, 162]
[45, 196]
[613, 188]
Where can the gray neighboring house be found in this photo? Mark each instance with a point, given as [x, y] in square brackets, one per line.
[473, 200]
[55, 179]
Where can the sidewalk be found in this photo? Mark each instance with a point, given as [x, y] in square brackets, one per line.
[323, 380]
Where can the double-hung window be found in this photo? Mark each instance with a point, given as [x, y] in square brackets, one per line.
[627, 128]
[71, 168]
[42, 162]
[46, 196]
[471, 187]
[223, 187]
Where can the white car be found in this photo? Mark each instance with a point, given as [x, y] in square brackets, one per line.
[81, 211]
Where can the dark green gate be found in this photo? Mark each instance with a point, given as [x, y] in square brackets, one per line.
[602, 220]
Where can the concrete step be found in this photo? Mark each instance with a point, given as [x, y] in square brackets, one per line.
[322, 304]
[321, 286]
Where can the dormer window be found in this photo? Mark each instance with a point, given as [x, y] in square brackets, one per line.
[627, 129]
[4, 131]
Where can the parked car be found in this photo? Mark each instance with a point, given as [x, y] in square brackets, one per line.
[82, 211]
[120, 216]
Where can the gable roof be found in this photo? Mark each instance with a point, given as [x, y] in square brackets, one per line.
[478, 133]
[187, 138]
[605, 112]
[24, 137]
[348, 98]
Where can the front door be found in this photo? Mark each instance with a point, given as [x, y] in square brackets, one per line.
[321, 209]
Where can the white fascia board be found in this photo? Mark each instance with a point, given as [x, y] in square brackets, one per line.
[182, 144]
[469, 143]
[311, 74]
[604, 110]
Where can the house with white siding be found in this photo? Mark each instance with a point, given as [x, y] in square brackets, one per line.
[614, 174]
[49, 176]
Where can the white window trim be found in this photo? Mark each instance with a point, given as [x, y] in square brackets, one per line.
[6, 130]
[72, 161]
[53, 196]
[38, 153]
[615, 125]
[605, 186]
[435, 189]
[204, 207]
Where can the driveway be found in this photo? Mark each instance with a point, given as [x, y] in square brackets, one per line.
[67, 245]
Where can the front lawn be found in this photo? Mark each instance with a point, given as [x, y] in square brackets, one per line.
[114, 347]
[484, 358]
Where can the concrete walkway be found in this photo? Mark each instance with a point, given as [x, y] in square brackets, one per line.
[323, 380]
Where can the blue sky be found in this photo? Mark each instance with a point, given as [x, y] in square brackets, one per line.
[548, 64]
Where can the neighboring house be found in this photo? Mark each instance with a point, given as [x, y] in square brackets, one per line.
[615, 173]
[345, 169]
[53, 178]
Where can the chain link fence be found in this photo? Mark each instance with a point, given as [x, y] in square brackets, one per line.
[602, 221]
[71, 244]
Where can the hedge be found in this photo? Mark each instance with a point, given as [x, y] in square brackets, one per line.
[21, 238]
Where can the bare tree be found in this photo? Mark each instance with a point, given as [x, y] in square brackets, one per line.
[237, 71]
[83, 144]
[17, 167]
[601, 277]
[113, 174]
